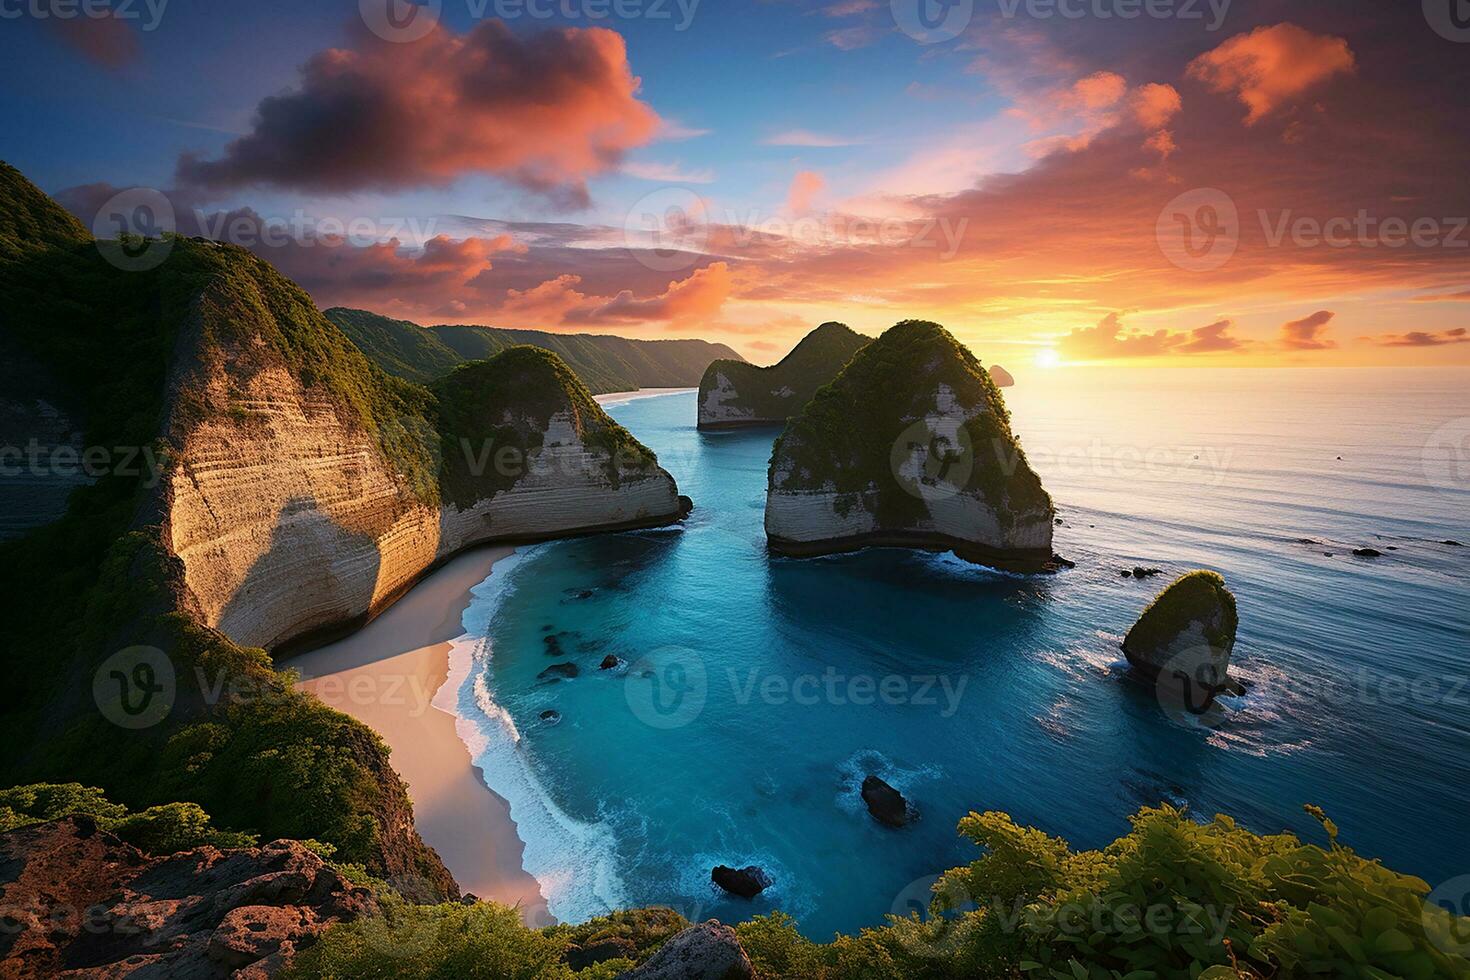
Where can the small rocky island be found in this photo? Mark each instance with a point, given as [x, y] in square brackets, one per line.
[1002, 377]
[1185, 637]
[910, 446]
[734, 394]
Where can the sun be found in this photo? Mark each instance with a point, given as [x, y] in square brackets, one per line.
[1048, 358]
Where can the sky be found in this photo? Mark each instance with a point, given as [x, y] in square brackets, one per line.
[1093, 182]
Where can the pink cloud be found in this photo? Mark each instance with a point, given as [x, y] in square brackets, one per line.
[106, 41]
[1271, 66]
[804, 190]
[1420, 338]
[545, 111]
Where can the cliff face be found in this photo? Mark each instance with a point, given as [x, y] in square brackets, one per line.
[910, 446]
[289, 514]
[734, 394]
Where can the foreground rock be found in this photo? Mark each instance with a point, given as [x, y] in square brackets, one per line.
[77, 898]
[910, 446]
[747, 882]
[708, 951]
[1185, 638]
[886, 804]
[734, 394]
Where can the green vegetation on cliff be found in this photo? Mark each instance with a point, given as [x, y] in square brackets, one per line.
[1199, 596]
[773, 394]
[1174, 897]
[494, 414]
[157, 830]
[844, 439]
[603, 363]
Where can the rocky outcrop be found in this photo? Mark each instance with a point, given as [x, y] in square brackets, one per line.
[78, 901]
[886, 804]
[294, 514]
[910, 446]
[1185, 637]
[708, 951]
[1001, 377]
[747, 882]
[734, 394]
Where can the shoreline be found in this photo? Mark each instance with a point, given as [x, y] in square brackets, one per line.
[399, 674]
[387, 676]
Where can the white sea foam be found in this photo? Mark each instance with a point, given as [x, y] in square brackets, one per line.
[573, 860]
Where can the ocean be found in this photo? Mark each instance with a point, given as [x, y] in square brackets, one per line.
[755, 693]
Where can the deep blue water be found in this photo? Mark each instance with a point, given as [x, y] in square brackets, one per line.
[760, 690]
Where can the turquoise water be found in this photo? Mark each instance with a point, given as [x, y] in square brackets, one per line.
[757, 692]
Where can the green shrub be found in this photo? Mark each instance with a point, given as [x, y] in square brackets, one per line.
[158, 830]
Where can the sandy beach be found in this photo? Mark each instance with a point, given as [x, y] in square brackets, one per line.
[386, 675]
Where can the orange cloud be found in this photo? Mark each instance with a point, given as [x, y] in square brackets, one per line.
[1154, 105]
[1271, 66]
[545, 111]
[1308, 333]
[1110, 340]
[699, 296]
[804, 189]
[1420, 338]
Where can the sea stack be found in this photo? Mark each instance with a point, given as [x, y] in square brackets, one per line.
[734, 394]
[910, 446]
[1186, 635]
[1001, 377]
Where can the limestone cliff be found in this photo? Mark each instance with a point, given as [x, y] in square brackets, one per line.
[734, 394]
[291, 515]
[909, 446]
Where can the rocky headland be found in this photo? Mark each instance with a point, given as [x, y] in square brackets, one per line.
[734, 394]
[910, 446]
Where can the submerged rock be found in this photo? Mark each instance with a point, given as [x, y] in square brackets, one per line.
[1141, 572]
[734, 394]
[747, 882]
[1185, 637]
[910, 446]
[551, 716]
[1453, 544]
[610, 662]
[558, 671]
[1367, 553]
[708, 951]
[886, 804]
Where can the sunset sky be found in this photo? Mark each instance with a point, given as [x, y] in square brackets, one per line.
[1052, 188]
